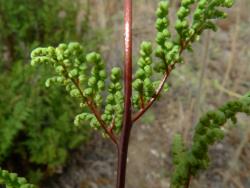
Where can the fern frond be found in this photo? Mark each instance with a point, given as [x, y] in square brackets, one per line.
[207, 132]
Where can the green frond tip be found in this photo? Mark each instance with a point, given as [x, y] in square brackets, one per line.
[163, 6]
[83, 76]
[88, 92]
[146, 48]
[42, 55]
[75, 93]
[12, 180]
[183, 12]
[87, 118]
[138, 85]
[93, 57]
[116, 74]
[73, 73]
[207, 132]
[205, 13]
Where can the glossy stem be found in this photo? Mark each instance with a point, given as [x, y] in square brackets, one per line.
[127, 120]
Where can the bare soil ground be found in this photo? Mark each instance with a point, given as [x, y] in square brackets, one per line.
[217, 71]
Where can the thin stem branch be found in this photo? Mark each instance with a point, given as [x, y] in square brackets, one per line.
[101, 122]
[142, 100]
[169, 69]
[155, 96]
[94, 110]
[112, 125]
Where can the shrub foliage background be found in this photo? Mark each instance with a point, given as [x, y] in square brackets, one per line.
[34, 133]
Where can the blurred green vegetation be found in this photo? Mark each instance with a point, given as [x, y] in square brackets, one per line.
[36, 129]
